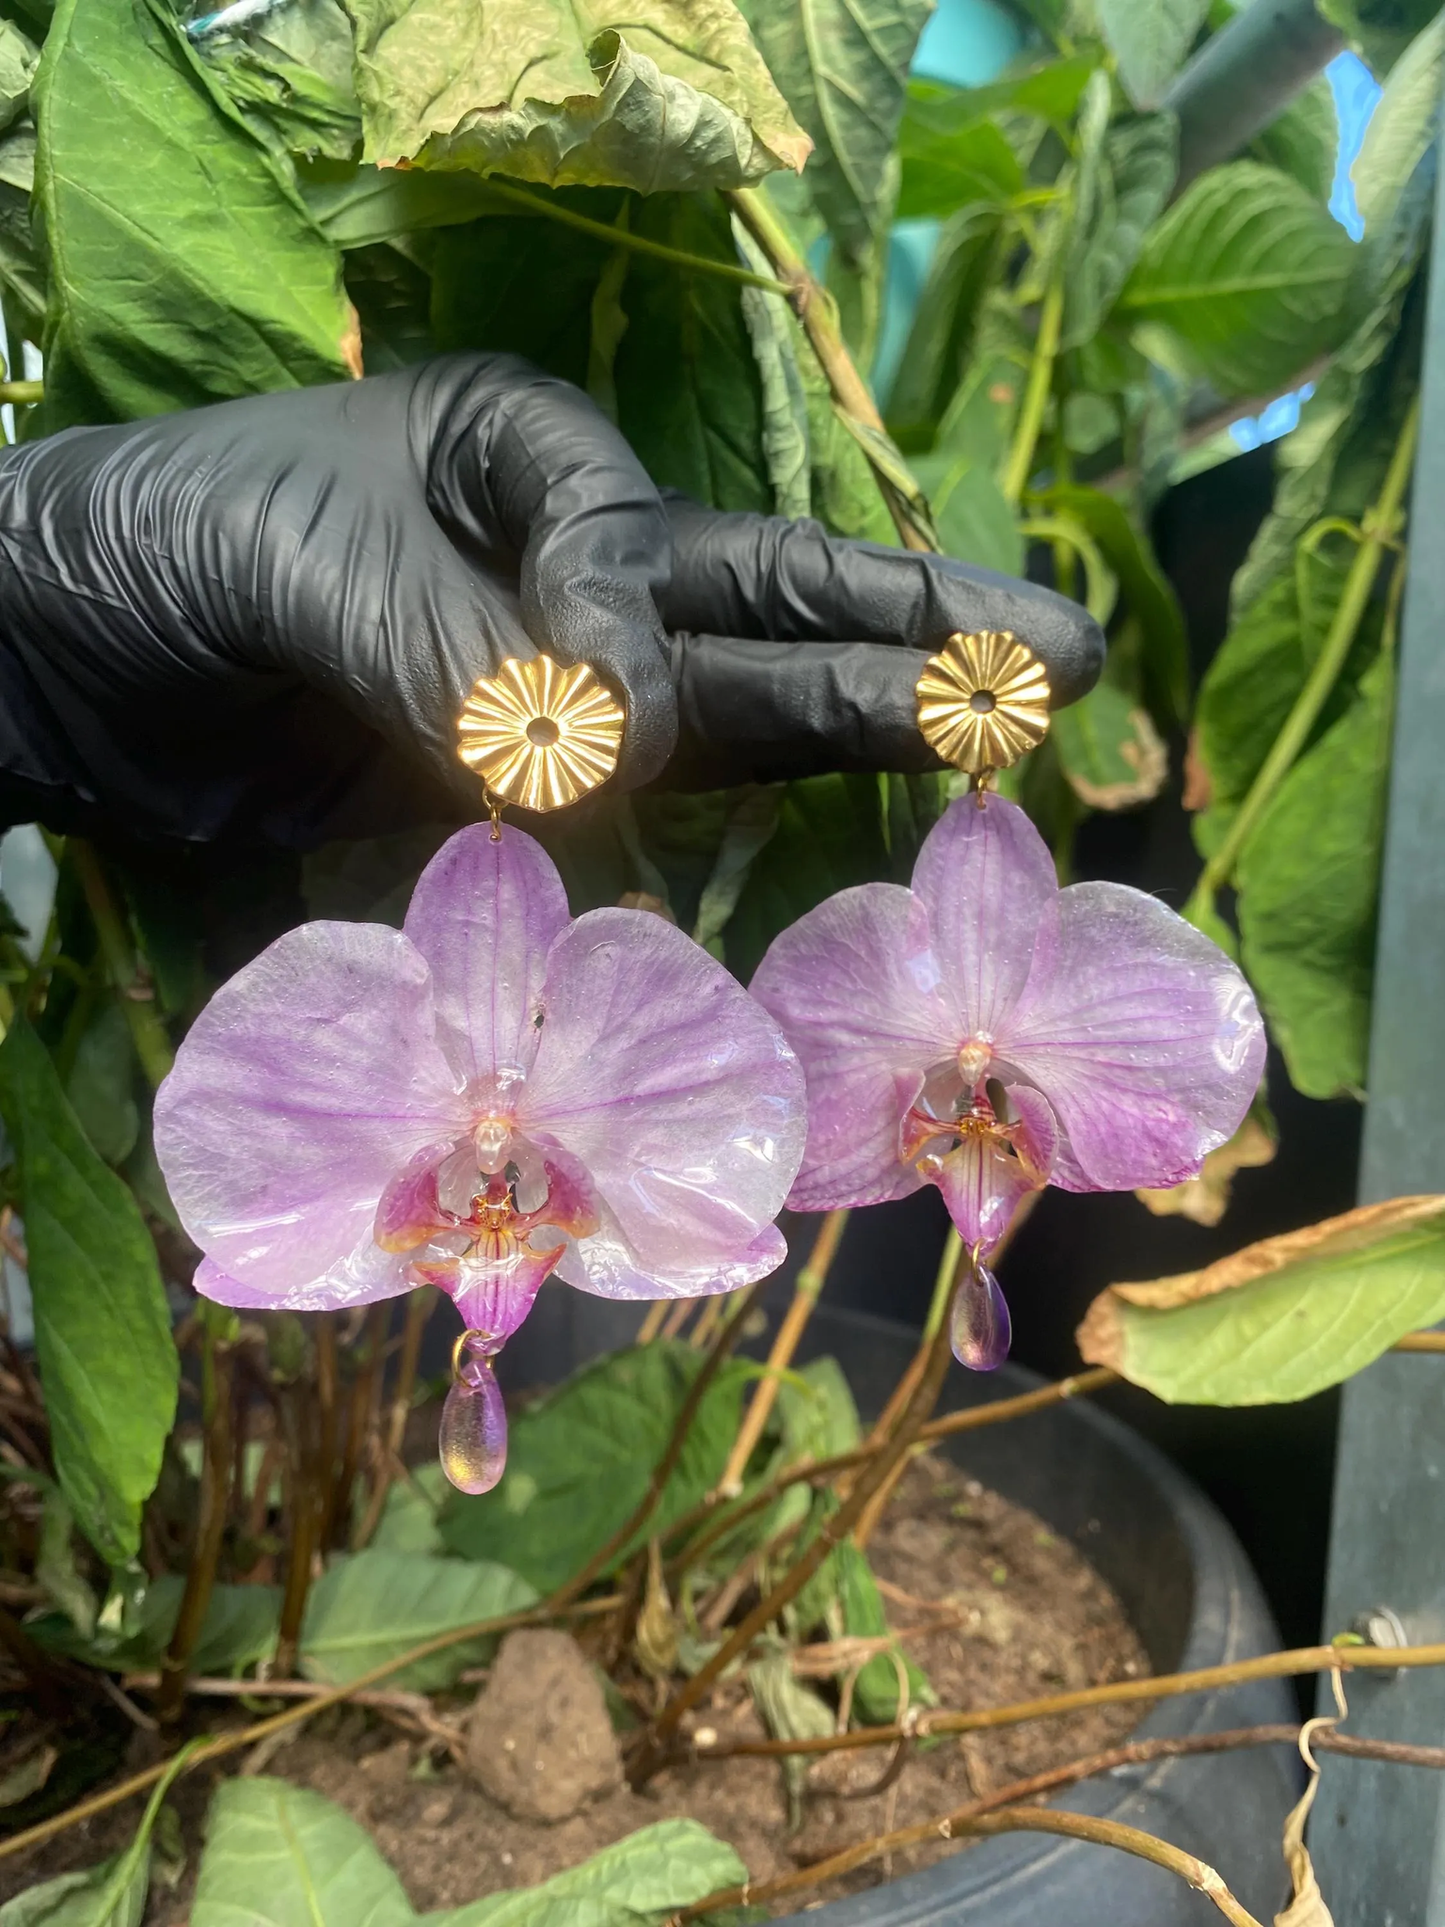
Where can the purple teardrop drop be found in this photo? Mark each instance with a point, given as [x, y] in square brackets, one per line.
[473, 1441]
[981, 1331]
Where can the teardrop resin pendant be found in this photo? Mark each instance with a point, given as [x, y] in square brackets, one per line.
[981, 1331]
[473, 1445]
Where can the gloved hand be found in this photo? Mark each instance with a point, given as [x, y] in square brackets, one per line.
[260, 620]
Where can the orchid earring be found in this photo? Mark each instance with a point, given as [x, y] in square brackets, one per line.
[496, 1092]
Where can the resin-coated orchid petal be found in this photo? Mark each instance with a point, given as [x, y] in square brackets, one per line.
[684, 1110]
[990, 1033]
[1143, 1034]
[858, 980]
[307, 1080]
[492, 1094]
[484, 915]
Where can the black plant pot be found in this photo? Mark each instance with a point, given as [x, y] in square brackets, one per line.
[1183, 1580]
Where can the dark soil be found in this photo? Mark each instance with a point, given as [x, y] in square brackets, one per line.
[990, 1603]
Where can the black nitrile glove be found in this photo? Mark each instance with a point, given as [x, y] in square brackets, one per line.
[260, 620]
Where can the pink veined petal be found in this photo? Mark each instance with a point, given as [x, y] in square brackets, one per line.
[855, 986]
[1141, 1033]
[672, 1086]
[493, 1292]
[305, 1083]
[363, 1277]
[985, 877]
[483, 914]
[606, 1265]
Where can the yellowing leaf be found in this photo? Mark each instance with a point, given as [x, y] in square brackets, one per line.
[659, 94]
[1282, 1318]
[1112, 755]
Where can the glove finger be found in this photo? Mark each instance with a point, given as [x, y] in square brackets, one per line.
[763, 576]
[763, 712]
[524, 456]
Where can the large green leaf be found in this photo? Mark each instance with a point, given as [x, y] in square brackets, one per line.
[876, 1690]
[831, 833]
[959, 170]
[239, 1630]
[22, 264]
[369, 1606]
[102, 1326]
[1248, 272]
[1121, 195]
[639, 1881]
[281, 1856]
[688, 394]
[1282, 1319]
[1308, 879]
[843, 65]
[1304, 140]
[945, 329]
[657, 94]
[1402, 127]
[1051, 92]
[1149, 39]
[521, 286]
[290, 76]
[579, 1463]
[184, 267]
[100, 1085]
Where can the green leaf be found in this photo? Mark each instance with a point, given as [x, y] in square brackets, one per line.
[392, 298]
[521, 286]
[1146, 589]
[830, 834]
[843, 67]
[19, 58]
[101, 1084]
[1120, 198]
[656, 94]
[112, 1894]
[947, 173]
[816, 1410]
[1308, 880]
[369, 1606]
[238, 1632]
[22, 264]
[876, 1689]
[1381, 30]
[945, 330]
[408, 1522]
[1401, 129]
[1282, 1319]
[361, 206]
[750, 825]
[636, 1883]
[579, 1463]
[936, 112]
[1110, 751]
[688, 395]
[281, 1856]
[1149, 41]
[1303, 141]
[57, 1570]
[974, 519]
[184, 268]
[289, 77]
[784, 401]
[102, 1326]
[1249, 273]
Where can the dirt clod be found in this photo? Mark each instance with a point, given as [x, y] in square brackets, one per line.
[539, 1740]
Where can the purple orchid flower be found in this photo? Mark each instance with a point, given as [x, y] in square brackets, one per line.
[492, 1093]
[990, 1033]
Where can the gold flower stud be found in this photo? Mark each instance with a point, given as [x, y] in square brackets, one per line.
[983, 701]
[539, 735]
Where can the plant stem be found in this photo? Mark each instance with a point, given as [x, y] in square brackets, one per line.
[358, 1423]
[665, 1466]
[810, 1282]
[1020, 461]
[655, 1742]
[1283, 1665]
[148, 1033]
[216, 1466]
[419, 1307]
[617, 237]
[1380, 525]
[300, 1418]
[966, 1820]
[22, 393]
[818, 314]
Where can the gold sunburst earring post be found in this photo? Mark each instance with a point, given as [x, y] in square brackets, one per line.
[983, 701]
[539, 735]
